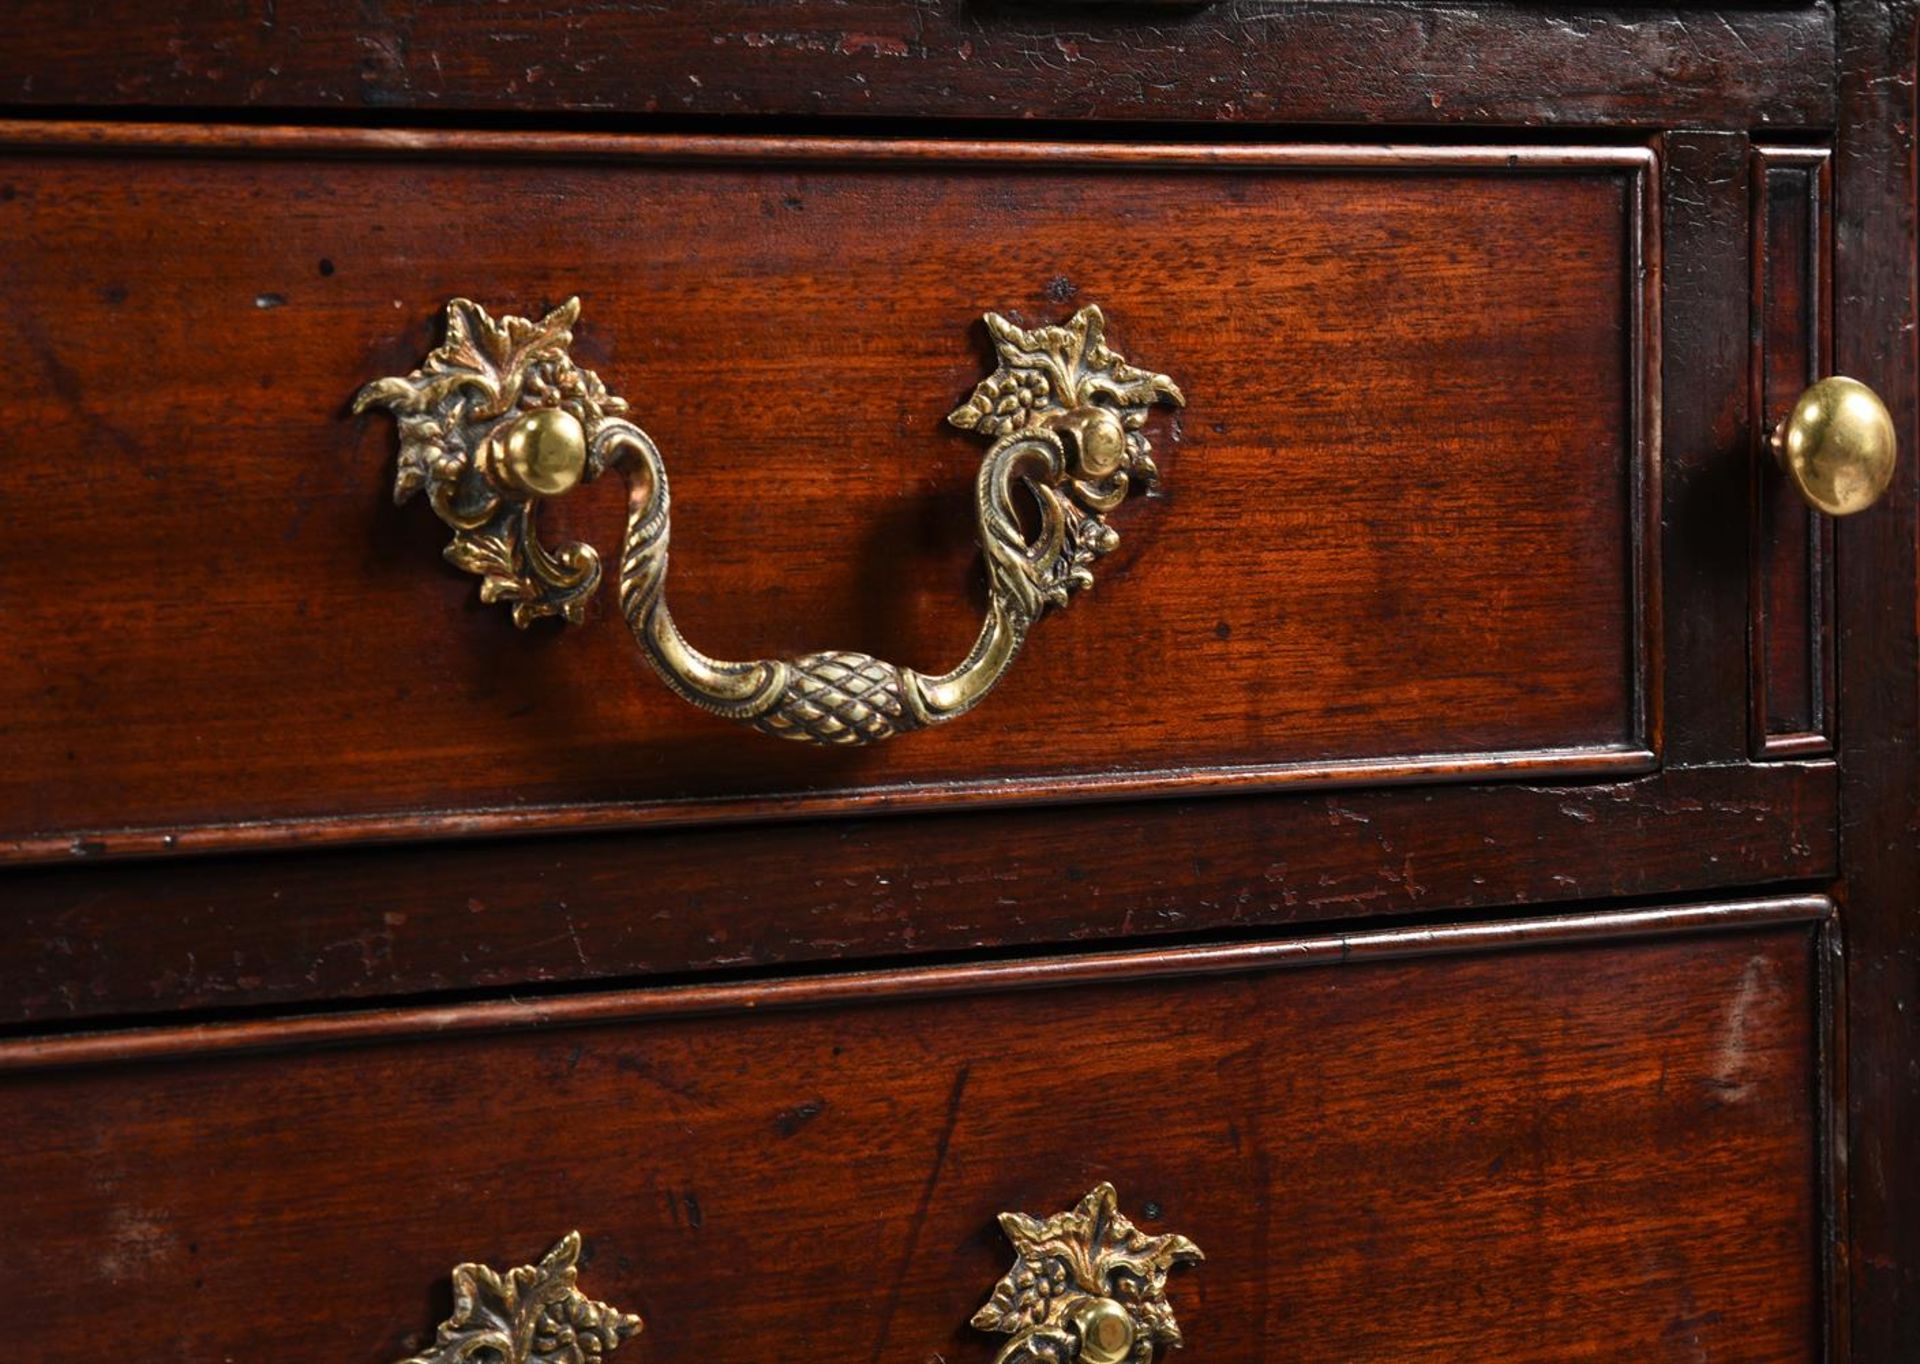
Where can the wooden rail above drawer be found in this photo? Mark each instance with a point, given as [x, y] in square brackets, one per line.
[1239, 61]
[87, 941]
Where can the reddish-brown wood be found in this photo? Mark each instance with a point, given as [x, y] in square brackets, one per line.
[1401, 533]
[1598, 1150]
[1878, 600]
[1556, 1135]
[1314, 62]
[197, 1040]
[1703, 445]
[92, 942]
[1791, 594]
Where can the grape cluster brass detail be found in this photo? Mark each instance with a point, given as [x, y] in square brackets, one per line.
[530, 1315]
[1088, 1287]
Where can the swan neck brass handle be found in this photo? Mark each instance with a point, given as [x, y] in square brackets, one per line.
[1838, 446]
[500, 419]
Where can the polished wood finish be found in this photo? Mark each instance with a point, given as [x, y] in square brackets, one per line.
[1383, 551]
[1703, 445]
[1318, 62]
[1878, 596]
[921, 982]
[1604, 1145]
[322, 969]
[133, 939]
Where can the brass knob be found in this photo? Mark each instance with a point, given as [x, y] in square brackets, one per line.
[1838, 446]
[1106, 1331]
[541, 454]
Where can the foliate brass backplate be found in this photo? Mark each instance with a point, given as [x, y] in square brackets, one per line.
[530, 1315]
[1088, 1287]
[495, 420]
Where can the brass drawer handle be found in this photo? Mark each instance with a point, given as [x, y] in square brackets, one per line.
[1838, 446]
[1088, 1287]
[530, 1315]
[499, 417]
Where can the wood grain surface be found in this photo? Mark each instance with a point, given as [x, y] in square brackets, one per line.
[1581, 1149]
[1401, 532]
[1877, 592]
[91, 941]
[1668, 1131]
[1242, 61]
[1706, 415]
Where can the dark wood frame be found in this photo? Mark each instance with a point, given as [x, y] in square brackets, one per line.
[1815, 632]
[1879, 687]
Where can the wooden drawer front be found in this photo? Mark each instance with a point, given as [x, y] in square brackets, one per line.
[1423, 1145]
[1402, 532]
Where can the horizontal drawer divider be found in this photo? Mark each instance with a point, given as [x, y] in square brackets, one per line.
[243, 139]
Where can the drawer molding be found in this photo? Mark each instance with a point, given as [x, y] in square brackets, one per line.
[1086, 1286]
[196, 1041]
[535, 1314]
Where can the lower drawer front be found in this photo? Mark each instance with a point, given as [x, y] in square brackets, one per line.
[1603, 1144]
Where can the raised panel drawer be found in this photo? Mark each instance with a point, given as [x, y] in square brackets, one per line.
[1407, 526]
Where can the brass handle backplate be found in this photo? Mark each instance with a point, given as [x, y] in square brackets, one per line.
[1087, 1287]
[499, 418]
[1838, 446]
[530, 1315]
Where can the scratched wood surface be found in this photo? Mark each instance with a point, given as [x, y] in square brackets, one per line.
[1600, 1151]
[1401, 513]
[1877, 595]
[1578, 1153]
[89, 941]
[1241, 61]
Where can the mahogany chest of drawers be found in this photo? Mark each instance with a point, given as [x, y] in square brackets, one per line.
[1276, 712]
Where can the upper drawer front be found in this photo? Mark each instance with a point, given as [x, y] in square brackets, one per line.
[1584, 1150]
[1403, 528]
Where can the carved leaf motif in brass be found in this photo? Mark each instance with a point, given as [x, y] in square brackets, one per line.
[495, 419]
[499, 417]
[530, 1315]
[1088, 1287]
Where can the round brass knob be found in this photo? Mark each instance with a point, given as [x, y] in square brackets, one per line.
[1838, 446]
[544, 453]
[1106, 1331]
